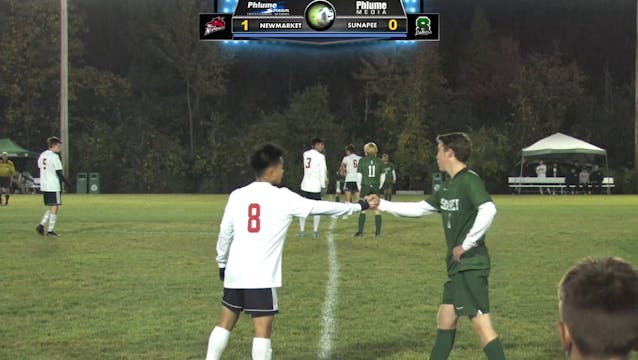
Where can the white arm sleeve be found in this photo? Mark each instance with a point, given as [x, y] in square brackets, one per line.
[333, 209]
[413, 209]
[323, 171]
[225, 237]
[359, 178]
[382, 178]
[482, 223]
[394, 176]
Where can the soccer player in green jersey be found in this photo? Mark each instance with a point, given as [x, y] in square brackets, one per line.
[390, 172]
[371, 177]
[467, 211]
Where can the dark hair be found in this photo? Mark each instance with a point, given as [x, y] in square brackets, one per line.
[599, 306]
[316, 141]
[350, 148]
[52, 141]
[264, 157]
[459, 142]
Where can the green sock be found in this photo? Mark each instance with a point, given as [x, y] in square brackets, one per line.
[377, 224]
[362, 222]
[337, 198]
[443, 344]
[494, 350]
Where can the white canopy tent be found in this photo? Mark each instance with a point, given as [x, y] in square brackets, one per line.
[560, 144]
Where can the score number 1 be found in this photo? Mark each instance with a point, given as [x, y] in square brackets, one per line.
[245, 24]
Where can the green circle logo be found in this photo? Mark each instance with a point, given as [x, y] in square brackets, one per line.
[320, 15]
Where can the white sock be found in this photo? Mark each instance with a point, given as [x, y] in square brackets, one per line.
[52, 219]
[261, 349]
[217, 343]
[316, 219]
[45, 219]
[302, 224]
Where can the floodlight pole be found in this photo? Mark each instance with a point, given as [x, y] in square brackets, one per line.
[64, 86]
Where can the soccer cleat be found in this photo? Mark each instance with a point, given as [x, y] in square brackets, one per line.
[315, 235]
[358, 234]
[377, 235]
[302, 234]
[40, 229]
[52, 233]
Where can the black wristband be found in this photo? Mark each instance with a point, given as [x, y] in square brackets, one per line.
[222, 273]
[364, 204]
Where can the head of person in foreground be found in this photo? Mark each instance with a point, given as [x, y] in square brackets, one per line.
[598, 306]
[268, 163]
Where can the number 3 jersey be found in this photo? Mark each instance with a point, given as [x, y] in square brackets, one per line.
[253, 231]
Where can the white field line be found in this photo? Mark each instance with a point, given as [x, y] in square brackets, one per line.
[328, 323]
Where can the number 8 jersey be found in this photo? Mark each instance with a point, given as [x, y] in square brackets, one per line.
[253, 231]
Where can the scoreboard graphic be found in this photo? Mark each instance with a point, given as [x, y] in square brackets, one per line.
[319, 21]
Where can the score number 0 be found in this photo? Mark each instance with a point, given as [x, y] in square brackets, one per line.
[393, 24]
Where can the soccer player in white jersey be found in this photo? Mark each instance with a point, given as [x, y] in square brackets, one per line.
[314, 182]
[51, 178]
[250, 245]
[351, 162]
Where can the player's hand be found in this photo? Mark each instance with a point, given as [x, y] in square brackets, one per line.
[457, 252]
[222, 274]
[373, 200]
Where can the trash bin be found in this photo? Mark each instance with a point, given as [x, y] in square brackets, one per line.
[94, 183]
[81, 184]
[437, 181]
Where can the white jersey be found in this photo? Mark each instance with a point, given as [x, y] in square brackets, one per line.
[351, 161]
[541, 171]
[315, 171]
[49, 162]
[253, 230]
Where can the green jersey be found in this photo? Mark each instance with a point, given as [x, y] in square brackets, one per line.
[458, 201]
[388, 169]
[371, 168]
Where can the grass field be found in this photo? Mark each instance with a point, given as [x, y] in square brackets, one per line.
[134, 277]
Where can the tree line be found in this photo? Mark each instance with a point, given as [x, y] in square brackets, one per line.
[155, 110]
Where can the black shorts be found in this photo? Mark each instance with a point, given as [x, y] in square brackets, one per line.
[311, 196]
[5, 182]
[351, 186]
[52, 198]
[256, 302]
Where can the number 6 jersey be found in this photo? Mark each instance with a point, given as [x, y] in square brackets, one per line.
[253, 231]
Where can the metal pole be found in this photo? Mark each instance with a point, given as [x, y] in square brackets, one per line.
[636, 106]
[64, 86]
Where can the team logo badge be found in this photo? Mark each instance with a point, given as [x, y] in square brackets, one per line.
[423, 26]
[320, 15]
[215, 25]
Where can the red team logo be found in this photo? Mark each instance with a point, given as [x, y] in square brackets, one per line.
[217, 24]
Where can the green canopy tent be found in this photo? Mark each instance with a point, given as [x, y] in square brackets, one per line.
[14, 150]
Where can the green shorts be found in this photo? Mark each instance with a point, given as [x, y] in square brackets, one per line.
[467, 291]
[387, 186]
[369, 189]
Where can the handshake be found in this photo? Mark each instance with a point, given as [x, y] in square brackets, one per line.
[370, 202]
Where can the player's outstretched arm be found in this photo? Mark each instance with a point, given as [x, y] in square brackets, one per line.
[407, 209]
[337, 209]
